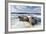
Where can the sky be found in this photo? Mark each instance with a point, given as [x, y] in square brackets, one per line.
[25, 9]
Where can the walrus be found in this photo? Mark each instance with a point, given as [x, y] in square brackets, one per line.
[23, 18]
[30, 19]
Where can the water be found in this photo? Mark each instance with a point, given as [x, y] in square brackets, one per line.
[18, 24]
